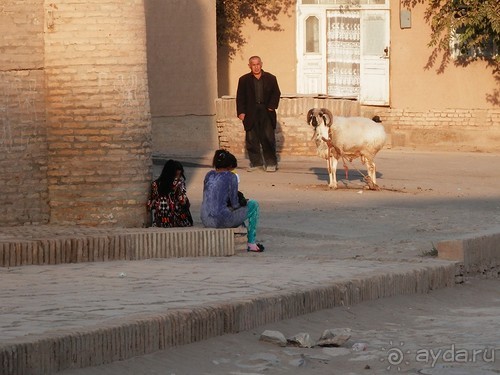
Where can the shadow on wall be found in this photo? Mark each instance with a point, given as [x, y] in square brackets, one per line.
[280, 139]
[280, 144]
[223, 71]
[247, 24]
[182, 76]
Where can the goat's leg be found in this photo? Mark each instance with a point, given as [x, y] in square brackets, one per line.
[332, 172]
[372, 173]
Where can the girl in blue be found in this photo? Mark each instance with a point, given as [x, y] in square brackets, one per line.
[221, 207]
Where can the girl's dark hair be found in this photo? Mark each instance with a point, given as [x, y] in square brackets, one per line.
[168, 175]
[224, 159]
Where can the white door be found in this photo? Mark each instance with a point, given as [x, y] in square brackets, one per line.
[375, 53]
[344, 53]
[310, 52]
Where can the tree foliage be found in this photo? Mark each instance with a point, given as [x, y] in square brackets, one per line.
[473, 25]
[231, 14]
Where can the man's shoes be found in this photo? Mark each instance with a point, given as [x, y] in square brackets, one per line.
[271, 168]
[256, 168]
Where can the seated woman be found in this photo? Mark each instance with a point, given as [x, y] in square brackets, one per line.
[221, 207]
[168, 199]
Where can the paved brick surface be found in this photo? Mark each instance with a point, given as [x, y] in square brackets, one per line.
[40, 299]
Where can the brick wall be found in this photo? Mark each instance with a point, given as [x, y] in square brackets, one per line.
[23, 148]
[75, 127]
[446, 130]
[98, 117]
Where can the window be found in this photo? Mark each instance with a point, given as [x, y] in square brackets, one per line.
[312, 35]
[459, 50]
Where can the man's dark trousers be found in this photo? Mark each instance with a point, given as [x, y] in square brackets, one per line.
[262, 133]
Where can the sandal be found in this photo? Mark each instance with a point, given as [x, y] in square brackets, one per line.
[259, 249]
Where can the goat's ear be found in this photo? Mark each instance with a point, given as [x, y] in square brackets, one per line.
[309, 116]
[326, 113]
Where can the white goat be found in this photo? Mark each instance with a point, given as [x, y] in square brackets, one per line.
[347, 138]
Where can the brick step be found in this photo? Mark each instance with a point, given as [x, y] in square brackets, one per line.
[132, 336]
[57, 245]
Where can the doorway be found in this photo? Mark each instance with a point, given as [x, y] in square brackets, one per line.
[344, 52]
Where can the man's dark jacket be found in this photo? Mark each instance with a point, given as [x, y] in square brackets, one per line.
[245, 98]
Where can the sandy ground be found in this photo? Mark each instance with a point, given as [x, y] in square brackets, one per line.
[454, 331]
[424, 198]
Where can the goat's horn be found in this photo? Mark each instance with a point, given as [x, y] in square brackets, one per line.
[309, 116]
[329, 115]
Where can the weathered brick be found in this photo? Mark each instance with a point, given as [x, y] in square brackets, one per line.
[69, 103]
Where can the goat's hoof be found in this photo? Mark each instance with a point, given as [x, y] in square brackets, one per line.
[372, 187]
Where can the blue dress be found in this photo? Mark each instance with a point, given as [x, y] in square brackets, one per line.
[220, 207]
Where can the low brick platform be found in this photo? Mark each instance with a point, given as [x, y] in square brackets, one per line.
[475, 256]
[39, 245]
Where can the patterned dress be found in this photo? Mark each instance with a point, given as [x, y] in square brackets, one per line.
[171, 210]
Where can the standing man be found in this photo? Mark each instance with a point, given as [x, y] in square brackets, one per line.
[257, 99]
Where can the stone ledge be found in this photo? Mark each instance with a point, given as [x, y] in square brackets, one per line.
[476, 256]
[43, 246]
[129, 337]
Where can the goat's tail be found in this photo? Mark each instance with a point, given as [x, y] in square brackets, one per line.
[376, 119]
